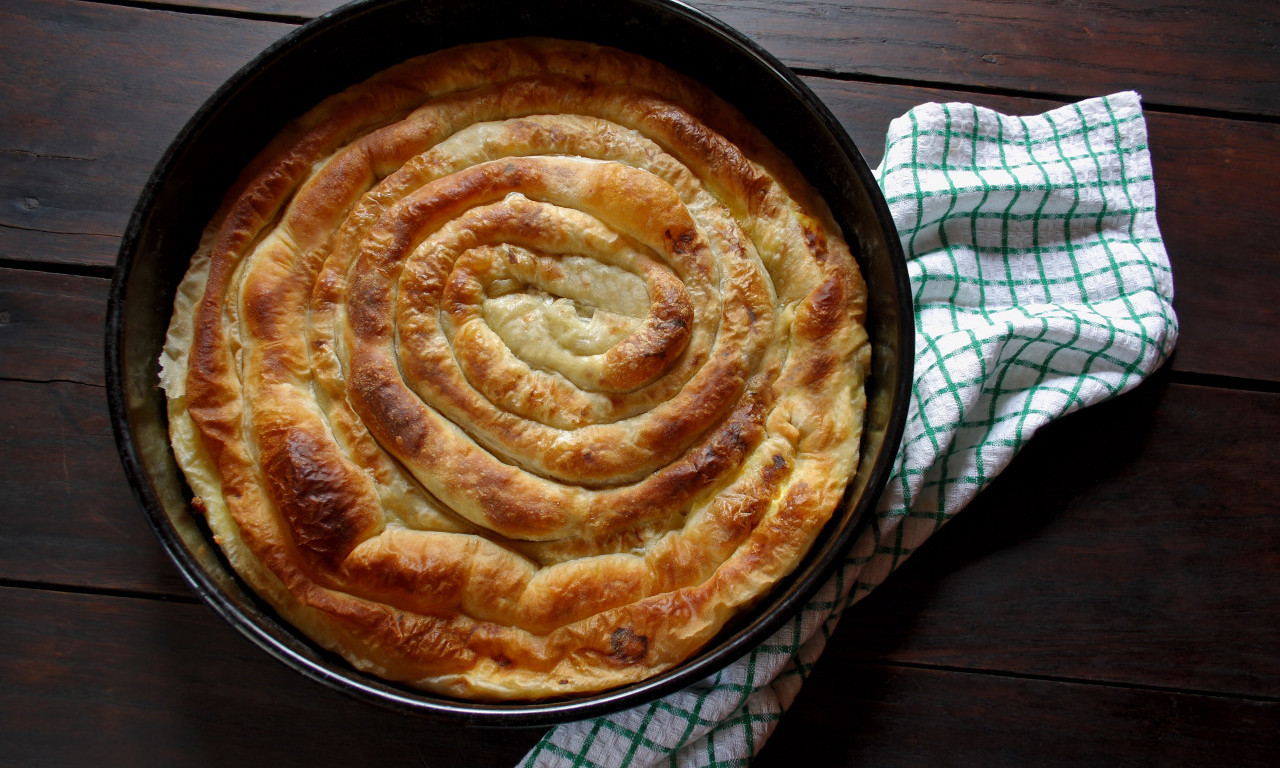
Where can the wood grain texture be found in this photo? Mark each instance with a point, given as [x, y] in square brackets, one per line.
[888, 716]
[110, 681]
[1211, 56]
[51, 326]
[94, 94]
[69, 517]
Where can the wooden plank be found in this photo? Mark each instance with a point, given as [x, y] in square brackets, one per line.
[1132, 543]
[51, 326]
[1220, 237]
[886, 716]
[1218, 229]
[69, 517]
[94, 94]
[111, 681]
[1212, 56]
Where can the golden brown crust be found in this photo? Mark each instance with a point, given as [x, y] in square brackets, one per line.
[518, 369]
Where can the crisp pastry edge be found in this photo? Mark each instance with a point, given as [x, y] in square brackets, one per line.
[204, 482]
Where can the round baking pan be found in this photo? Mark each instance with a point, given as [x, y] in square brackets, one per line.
[356, 41]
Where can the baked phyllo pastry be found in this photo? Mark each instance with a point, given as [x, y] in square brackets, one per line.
[518, 370]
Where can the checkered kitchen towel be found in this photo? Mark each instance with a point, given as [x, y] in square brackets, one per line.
[1041, 286]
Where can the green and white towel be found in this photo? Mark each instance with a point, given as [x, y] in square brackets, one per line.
[1041, 285]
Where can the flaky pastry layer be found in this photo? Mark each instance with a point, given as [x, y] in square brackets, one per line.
[518, 370]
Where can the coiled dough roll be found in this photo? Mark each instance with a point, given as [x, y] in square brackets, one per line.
[518, 370]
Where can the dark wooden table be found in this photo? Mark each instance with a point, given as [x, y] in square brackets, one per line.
[1113, 599]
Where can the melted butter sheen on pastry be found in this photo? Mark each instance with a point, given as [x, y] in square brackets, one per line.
[518, 370]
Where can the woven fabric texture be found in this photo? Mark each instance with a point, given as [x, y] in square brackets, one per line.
[1041, 286]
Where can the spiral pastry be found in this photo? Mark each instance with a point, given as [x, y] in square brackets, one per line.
[518, 370]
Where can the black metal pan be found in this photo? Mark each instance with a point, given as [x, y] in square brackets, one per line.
[352, 43]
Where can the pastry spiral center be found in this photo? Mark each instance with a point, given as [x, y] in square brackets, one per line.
[518, 369]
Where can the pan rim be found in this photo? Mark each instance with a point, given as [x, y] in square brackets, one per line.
[817, 568]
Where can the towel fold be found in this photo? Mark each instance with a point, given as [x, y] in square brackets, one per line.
[1041, 285]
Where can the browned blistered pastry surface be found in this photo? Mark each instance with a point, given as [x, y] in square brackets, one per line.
[518, 370]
